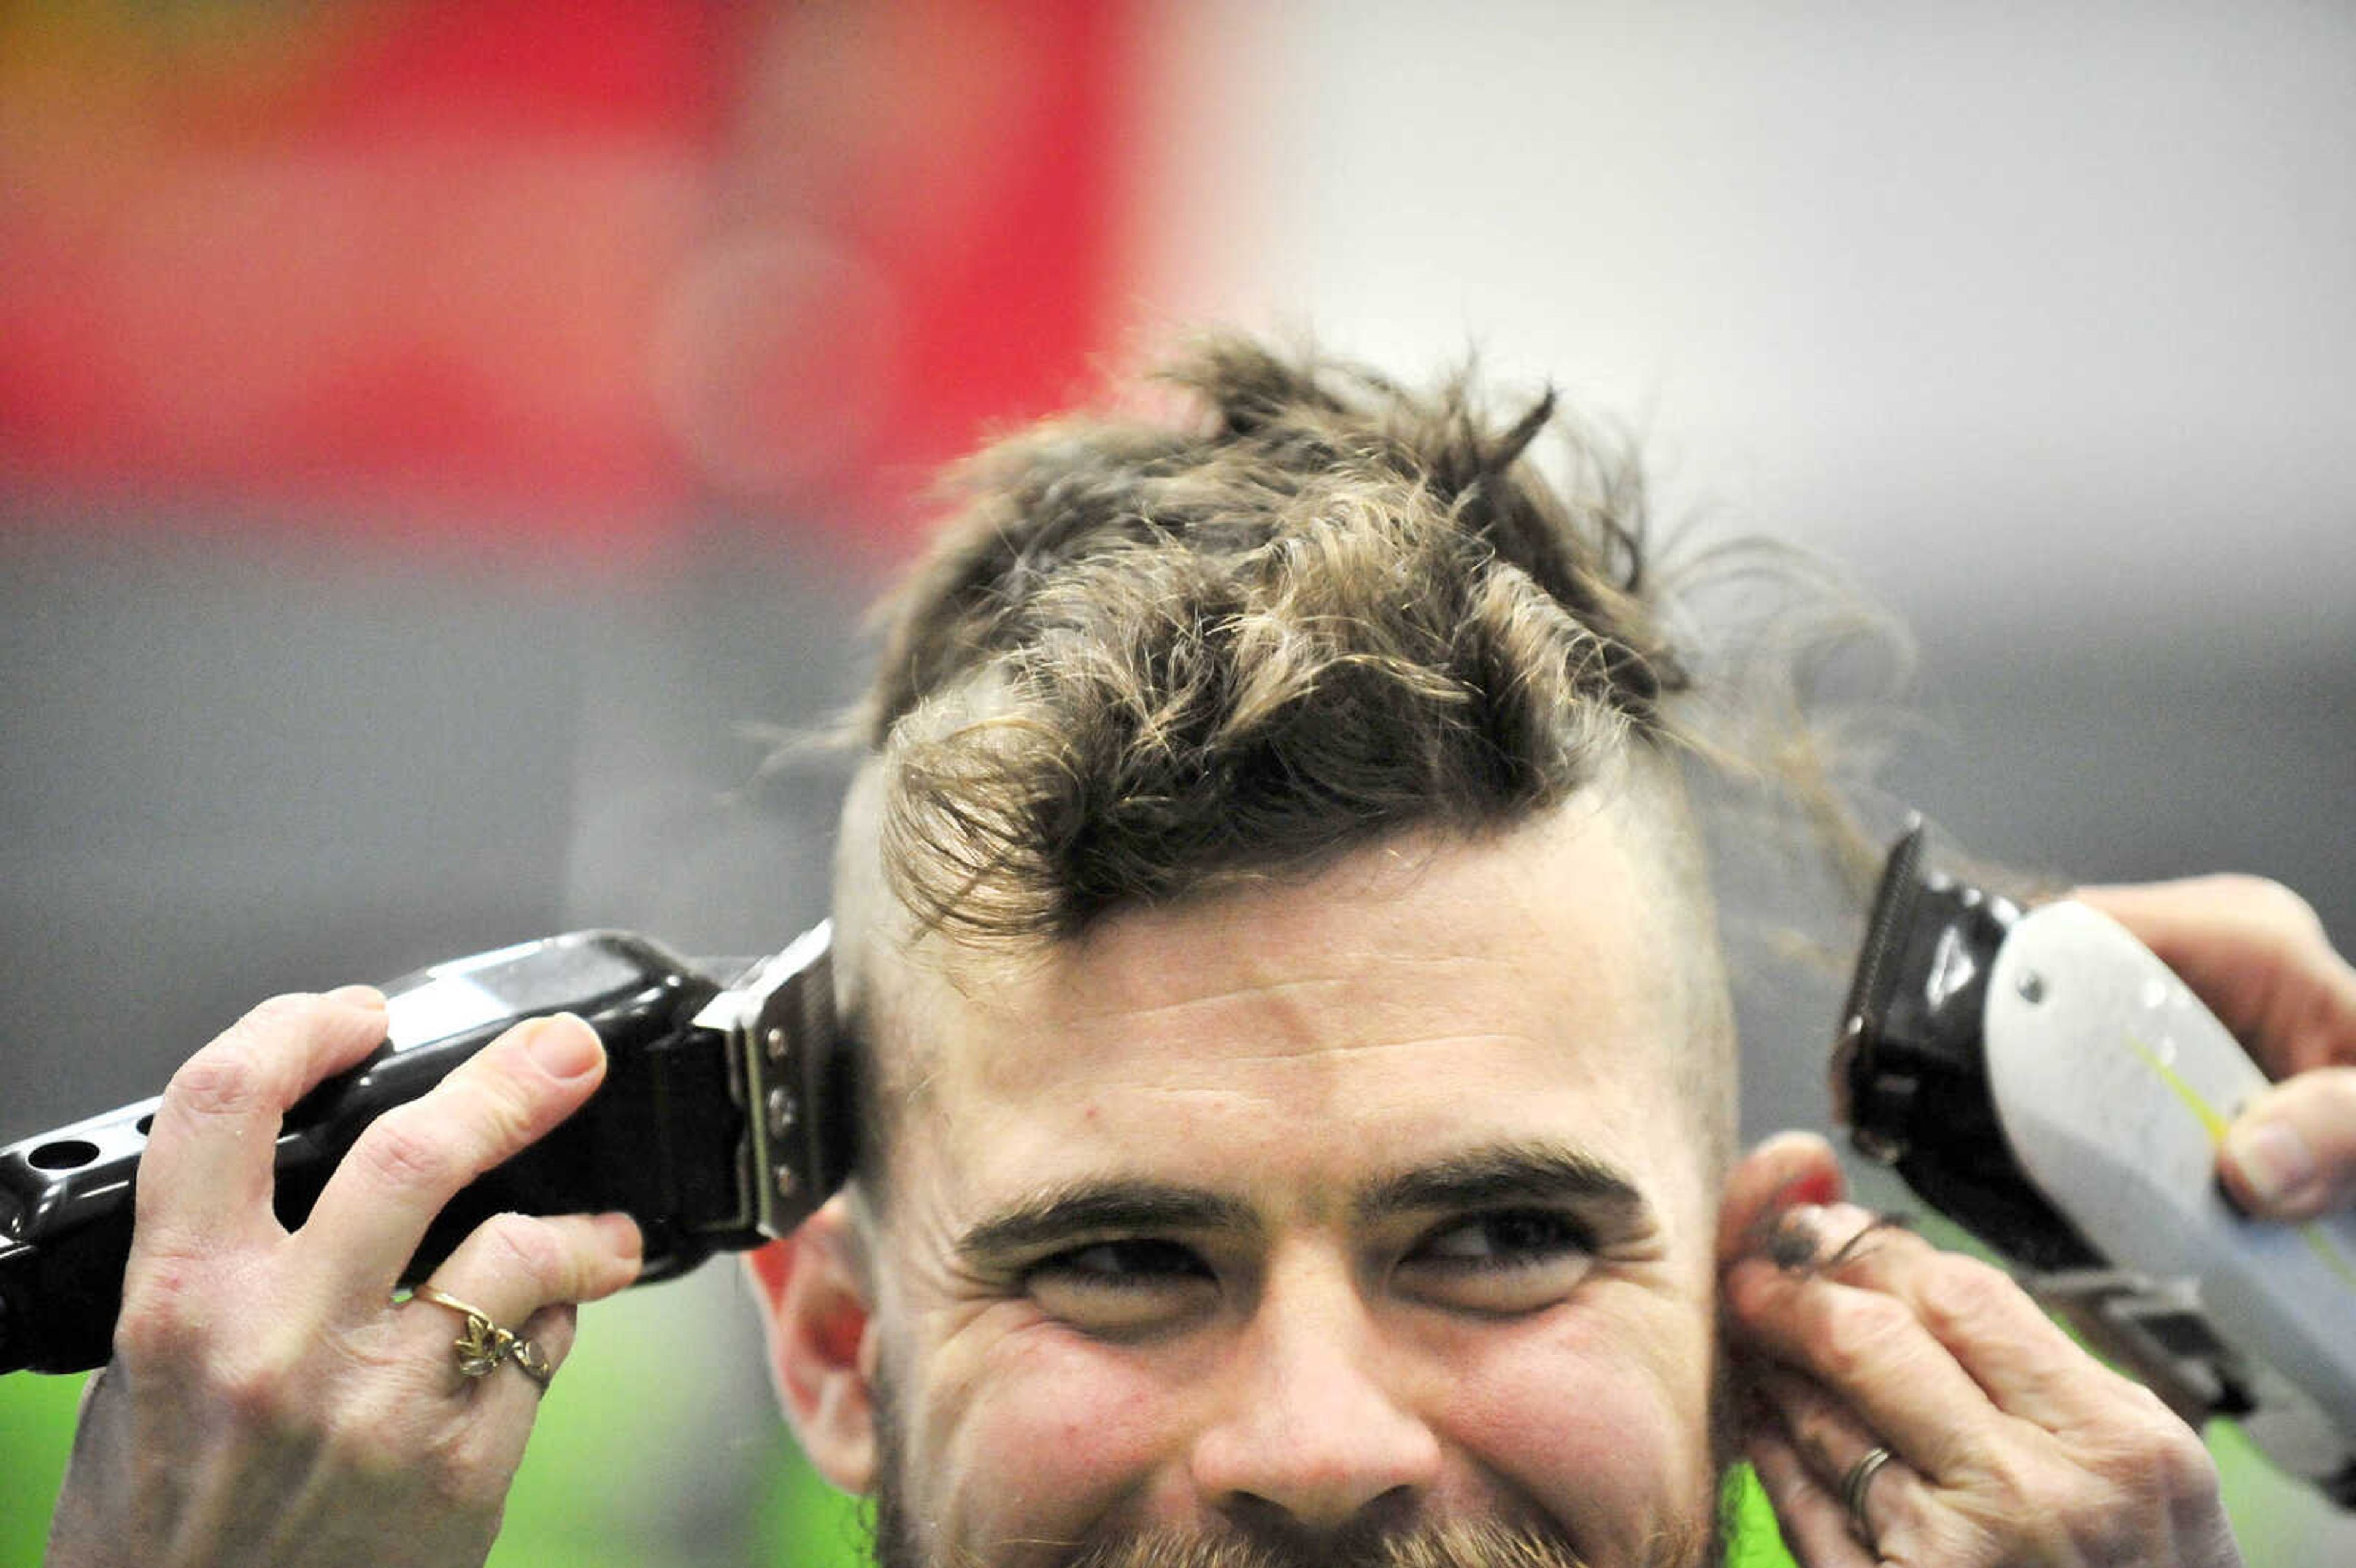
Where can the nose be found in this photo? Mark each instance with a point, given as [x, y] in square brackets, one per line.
[1312, 1438]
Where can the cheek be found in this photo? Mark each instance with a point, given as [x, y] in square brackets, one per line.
[1602, 1422]
[1038, 1436]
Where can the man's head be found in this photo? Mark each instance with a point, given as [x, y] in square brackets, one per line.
[1298, 1063]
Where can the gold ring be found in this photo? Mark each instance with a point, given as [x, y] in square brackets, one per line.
[484, 1344]
[1854, 1487]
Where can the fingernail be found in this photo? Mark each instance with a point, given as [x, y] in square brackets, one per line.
[1845, 1222]
[622, 1234]
[563, 1046]
[1796, 1237]
[366, 997]
[2274, 1160]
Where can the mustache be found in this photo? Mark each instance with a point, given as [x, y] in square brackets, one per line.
[1453, 1543]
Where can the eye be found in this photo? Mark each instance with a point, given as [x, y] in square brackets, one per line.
[1126, 1287]
[1508, 1261]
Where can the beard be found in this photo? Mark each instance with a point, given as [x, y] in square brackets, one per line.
[1452, 1543]
[1449, 1543]
[1441, 1543]
[1455, 1544]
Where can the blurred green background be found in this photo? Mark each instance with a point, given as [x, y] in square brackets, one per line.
[659, 1446]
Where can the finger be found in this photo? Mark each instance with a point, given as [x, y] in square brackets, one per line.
[206, 1173]
[511, 1266]
[2291, 1154]
[1815, 1527]
[1896, 1502]
[496, 1406]
[415, 1157]
[554, 1328]
[1995, 1331]
[2255, 952]
[1870, 1349]
[522, 1273]
[1788, 1168]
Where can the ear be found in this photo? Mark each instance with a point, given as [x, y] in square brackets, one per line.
[822, 1342]
[1788, 1169]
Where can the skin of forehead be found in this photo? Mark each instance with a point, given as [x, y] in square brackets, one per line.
[896, 984]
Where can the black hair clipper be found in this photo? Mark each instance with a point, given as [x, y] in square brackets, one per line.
[725, 1119]
[2039, 1077]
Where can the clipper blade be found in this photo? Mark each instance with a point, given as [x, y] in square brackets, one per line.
[1909, 1075]
[1893, 907]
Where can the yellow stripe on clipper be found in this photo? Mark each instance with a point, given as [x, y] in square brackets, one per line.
[2215, 1122]
[2333, 1258]
[2210, 1118]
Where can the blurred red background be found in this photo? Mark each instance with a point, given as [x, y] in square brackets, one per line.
[574, 268]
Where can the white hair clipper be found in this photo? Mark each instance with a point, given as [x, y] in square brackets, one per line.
[2039, 1077]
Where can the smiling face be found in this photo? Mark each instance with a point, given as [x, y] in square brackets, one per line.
[1311, 1211]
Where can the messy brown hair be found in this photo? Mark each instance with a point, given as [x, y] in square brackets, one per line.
[1147, 657]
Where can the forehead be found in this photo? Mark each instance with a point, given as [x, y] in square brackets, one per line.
[1420, 998]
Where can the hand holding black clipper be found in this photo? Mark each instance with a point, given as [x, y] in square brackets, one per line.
[722, 1121]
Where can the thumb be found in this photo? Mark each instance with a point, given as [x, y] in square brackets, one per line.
[2291, 1154]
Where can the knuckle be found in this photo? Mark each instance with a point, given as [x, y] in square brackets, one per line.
[1811, 1425]
[156, 1330]
[509, 1112]
[1954, 1536]
[262, 1392]
[1855, 1332]
[2124, 1478]
[276, 1012]
[461, 1470]
[497, 1106]
[270, 1023]
[2269, 904]
[401, 1150]
[165, 1284]
[2333, 1091]
[353, 1442]
[2007, 1473]
[229, 1077]
[2096, 1523]
[2288, 906]
[251, 1064]
[2154, 1451]
[171, 1305]
[2053, 1504]
[2183, 1464]
[1964, 1291]
[529, 1247]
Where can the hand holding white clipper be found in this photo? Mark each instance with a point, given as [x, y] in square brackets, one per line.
[2045, 1080]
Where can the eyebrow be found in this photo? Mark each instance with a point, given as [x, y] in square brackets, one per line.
[1483, 1178]
[1101, 1208]
[1508, 1173]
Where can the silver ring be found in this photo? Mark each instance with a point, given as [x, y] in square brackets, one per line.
[1856, 1484]
[484, 1344]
